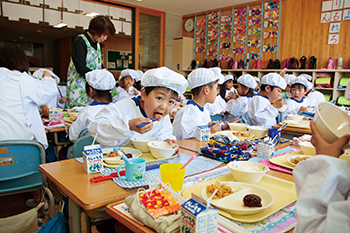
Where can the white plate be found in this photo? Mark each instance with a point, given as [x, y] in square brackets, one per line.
[249, 135]
[117, 160]
[233, 203]
[289, 158]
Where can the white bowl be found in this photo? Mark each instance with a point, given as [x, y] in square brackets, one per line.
[162, 150]
[258, 131]
[247, 172]
[290, 158]
[233, 203]
[140, 143]
[307, 148]
[297, 118]
[118, 160]
[332, 122]
[238, 126]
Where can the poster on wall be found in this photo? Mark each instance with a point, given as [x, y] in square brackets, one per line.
[333, 39]
[119, 60]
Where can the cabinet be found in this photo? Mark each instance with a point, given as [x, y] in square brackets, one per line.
[182, 53]
[334, 92]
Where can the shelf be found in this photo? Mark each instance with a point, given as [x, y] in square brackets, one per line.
[324, 89]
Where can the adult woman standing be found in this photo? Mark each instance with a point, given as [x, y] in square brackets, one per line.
[86, 56]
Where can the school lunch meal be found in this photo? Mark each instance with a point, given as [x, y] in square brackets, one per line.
[115, 154]
[296, 160]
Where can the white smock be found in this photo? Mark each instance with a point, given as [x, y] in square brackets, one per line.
[123, 94]
[238, 107]
[322, 184]
[112, 124]
[315, 97]
[261, 112]
[218, 107]
[188, 118]
[294, 106]
[233, 90]
[20, 97]
[54, 102]
[85, 116]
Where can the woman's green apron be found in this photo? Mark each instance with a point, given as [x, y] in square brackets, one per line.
[76, 95]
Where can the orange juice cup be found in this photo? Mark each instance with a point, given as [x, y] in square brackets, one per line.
[171, 173]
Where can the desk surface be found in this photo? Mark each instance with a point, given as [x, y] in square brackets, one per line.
[70, 177]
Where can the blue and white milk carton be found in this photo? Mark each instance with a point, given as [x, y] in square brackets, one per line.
[93, 159]
[266, 149]
[197, 216]
[202, 133]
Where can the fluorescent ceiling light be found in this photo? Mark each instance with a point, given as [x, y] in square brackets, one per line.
[139, 0]
[60, 25]
[92, 14]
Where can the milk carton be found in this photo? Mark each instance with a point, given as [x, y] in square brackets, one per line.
[266, 150]
[198, 216]
[202, 133]
[93, 159]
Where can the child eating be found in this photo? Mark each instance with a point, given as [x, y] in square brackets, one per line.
[117, 123]
[227, 91]
[126, 89]
[298, 102]
[203, 84]
[260, 110]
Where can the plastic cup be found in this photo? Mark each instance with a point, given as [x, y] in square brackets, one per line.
[275, 133]
[171, 173]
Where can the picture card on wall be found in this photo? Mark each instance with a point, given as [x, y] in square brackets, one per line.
[333, 39]
[337, 4]
[326, 6]
[346, 3]
[346, 14]
[334, 28]
[326, 17]
[336, 16]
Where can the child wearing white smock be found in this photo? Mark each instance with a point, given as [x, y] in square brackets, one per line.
[99, 83]
[46, 75]
[227, 91]
[203, 84]
[219, 105]
[323, 184]
[126, 88]
[117, 123]
[239, 106]
[260, 110]
[313, 96]
[298, 102]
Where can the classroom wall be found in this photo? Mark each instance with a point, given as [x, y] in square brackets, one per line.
[173, 29]
[301, 33]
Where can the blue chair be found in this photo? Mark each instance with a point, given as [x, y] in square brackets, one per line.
[19, 172]
[217, 117]
[83, 133]
[79, 144]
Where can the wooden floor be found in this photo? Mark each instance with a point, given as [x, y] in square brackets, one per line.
[14, 204]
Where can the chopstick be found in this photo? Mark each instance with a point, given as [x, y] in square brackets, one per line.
[146, 123]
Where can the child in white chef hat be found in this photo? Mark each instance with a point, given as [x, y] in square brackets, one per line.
[298, 101]
[313, 96]
[237, 107]
[118, 122]
[227, 91]
[260, 110]
[126, 88]
[257, 88]
[99, 83]
[60, 100]
[203, 84]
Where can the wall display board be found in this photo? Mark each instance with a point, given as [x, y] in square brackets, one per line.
[213, 31]
[119, 60]
[254, 35]
[225, 37]
[200, 38]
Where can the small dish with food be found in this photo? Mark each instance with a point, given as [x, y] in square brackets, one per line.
[112, 157]
[295, 159]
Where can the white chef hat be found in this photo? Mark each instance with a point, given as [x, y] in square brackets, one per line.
[273, 79]
[164, 77]
[202, 76]
[38, 74]
[308, 77]
[129, 72]
[140, 73]
[247, 80]
[300, 80]
[309, 85]
[257, 79]
[228, 77]
[100, 79]
[289, 78]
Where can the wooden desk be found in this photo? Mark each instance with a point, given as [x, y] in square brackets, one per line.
[70, 177]
[191, 144]
[294, 129]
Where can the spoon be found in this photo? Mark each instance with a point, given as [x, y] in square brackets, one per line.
[122, 155]
[283, 126]
[211, 197]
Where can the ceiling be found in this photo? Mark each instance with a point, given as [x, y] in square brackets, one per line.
[23, 31]
[185, 7]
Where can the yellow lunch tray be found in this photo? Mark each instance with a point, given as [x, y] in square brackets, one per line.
[282, 190]
[253, 138]
[304, 124]
[282, 160]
